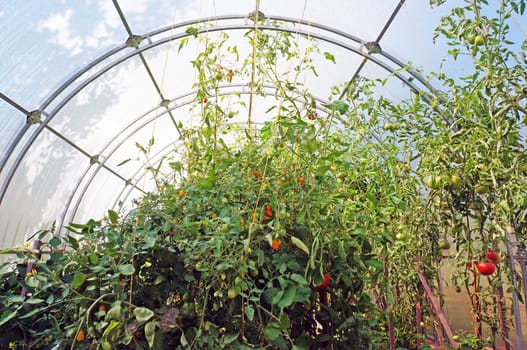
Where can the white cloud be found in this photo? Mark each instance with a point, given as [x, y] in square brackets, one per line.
[100, 36]
[109, 13]
[135, 6]
[60, 25]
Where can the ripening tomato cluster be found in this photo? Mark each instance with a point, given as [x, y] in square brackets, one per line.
[268, 212]
[488, 267]
[280, 180]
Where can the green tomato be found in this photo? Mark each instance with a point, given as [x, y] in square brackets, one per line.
[233, 292]
[401, 237]
[391, 127]
[105, 345]
[479, 40]
[456, 182]
[481, 189]
[444, 244]
[433, 182]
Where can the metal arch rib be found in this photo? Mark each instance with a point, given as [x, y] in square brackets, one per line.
[171, 38]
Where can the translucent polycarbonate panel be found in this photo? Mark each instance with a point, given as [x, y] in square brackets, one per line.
[410, 36]
[44, 41]
[172, 68]
[39, 188]
[124, 204]
[335, 66]
[363, 18]
[98, 198]
[142, 140]
[11, 122]
[92, 117]
[12, 159]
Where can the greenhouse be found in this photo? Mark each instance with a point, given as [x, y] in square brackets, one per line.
[263, 174]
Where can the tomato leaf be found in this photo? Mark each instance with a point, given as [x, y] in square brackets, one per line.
[7, 316]
[127, 269]
[113, 216]
[55, 241]
[277, 296]
[285, 323]
[143, 314]
[300, 245]
[288, 297]
[78, 280]
[375, 264]
[249, 312]
[229, 338]
[271, 333]
[302, 294]
[329, 57]
[298, 279]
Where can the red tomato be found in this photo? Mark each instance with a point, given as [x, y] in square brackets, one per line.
[493, 256]
[205, 100]
[486, 268]
[324, 284]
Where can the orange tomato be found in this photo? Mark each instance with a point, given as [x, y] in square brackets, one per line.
[275, 244]
[301, 180]
[102, 308]
[81, 336]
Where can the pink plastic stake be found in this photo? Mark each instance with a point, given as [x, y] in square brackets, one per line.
[478, 330]
[438, 337]
[418, 320]
[501, 312]
[437, 309]
[391, 333]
